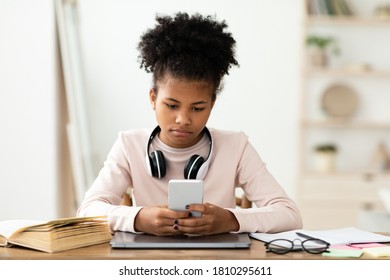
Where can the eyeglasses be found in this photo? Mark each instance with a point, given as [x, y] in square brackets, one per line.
[283, 246]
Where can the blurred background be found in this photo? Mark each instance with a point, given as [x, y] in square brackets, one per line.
[312, 93]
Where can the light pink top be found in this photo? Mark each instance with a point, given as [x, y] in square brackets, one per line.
[234, 163]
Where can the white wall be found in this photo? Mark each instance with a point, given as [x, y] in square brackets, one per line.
[28, 114]
[260, 97]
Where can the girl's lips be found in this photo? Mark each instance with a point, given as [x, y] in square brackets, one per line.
[181, 132]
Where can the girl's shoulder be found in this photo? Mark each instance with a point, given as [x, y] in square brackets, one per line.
[141, 132]
[225, 133]
[132, 136]
[228, 136]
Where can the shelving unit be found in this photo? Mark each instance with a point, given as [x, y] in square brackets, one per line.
[334, 197]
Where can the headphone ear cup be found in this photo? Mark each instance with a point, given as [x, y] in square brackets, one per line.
[157, 164]
[192, 167]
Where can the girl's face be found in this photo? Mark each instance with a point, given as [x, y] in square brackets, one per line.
[182, 109]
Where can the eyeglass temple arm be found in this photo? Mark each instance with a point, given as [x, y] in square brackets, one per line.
[300, 234]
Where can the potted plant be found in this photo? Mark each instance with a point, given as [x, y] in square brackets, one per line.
[325, 157]
[320, 45]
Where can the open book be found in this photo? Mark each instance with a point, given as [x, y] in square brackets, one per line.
[338, 236]
[57, 235]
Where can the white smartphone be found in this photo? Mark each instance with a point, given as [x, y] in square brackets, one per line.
[185, 192]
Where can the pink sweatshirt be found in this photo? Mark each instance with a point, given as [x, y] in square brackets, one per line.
[234, 163]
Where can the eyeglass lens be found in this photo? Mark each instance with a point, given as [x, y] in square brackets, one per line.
[283, 246]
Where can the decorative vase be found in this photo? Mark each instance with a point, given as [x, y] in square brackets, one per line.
[325, 161]
[318, 58]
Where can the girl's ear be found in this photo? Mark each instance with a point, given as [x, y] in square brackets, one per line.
[152, 98]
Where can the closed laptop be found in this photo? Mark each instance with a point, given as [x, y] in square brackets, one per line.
[144, 241]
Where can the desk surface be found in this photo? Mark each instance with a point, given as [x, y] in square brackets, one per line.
[105, 252]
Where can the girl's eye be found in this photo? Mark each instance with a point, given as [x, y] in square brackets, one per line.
[171, 106]
[196, 109]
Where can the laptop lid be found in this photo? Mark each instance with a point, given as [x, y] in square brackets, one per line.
[143, 241]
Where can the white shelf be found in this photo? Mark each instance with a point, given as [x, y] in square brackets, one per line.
[346, 20]
[362, 65]
[342, 124]
[345, 72]
[364, 175]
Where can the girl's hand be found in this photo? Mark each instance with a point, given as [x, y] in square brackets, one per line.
[214, 220]
[159, 220]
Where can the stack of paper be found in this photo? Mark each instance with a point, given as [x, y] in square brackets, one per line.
[377, 252]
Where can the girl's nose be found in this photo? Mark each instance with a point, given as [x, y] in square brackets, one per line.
[183, 118]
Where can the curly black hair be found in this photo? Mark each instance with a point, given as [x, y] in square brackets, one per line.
[189, 47]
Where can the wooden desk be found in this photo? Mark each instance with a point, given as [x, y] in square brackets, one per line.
[105, 252]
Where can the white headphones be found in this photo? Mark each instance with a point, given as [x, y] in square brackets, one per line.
[195, 168]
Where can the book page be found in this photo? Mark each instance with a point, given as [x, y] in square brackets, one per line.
[7, 228]
[63, 234]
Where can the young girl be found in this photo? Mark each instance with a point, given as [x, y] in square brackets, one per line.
[188, 56]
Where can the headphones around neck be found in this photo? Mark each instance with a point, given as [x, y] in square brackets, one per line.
[195, 168]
